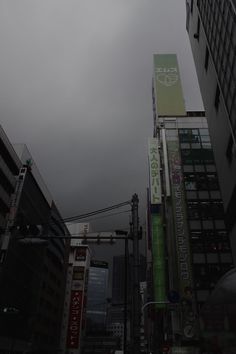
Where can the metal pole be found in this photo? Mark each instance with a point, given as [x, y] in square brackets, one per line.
[136, 314]
[125, 296]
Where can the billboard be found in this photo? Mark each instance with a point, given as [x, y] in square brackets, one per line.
[80, 254]
[154, 171]
[74, 321]
[188, 308]
[180, 219]
[158, 254]
[168, 89]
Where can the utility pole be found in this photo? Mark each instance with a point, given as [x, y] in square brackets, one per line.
[136, 265]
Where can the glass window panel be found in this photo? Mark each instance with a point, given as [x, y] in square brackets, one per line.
[195, 145]
[190, 185]
[185, 146]
[199, 258]
[206, 145]
[202, 295]
[194, 224]
[195, 131]
[212, 258]
[188, 168]
[219, 224]
[193, 210]
[203, 132]
[226, 258]
[191, 195]
[199, 168]
[203, 195]
[211, 246]
[201, 182]
[215, 194]
[207, 224]
[210, 168]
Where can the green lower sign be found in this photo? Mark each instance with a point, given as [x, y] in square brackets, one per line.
[158, 249]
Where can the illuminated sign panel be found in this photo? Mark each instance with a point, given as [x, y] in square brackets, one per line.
[180, 220]
[158, 249]
[168, 89]
[74, 322]
[154, 171]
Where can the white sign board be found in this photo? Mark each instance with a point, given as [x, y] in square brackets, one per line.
[154, 171]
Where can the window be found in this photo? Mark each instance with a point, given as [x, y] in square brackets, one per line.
[206, 58]
[217, 97]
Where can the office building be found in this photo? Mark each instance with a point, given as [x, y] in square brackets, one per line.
[187, 234]
[9, 169]
[96, 313]
[32, 270]
[211, 26]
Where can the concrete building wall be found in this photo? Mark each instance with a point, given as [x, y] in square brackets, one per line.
[220, 72]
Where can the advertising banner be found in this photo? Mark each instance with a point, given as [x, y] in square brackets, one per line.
[158, 249]
[74, 321]
[180, 219]
[80, 254]
[154, 171]
[168, 89]
[188, 319]
[78, 273]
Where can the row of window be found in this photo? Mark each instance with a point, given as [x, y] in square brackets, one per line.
[205, 209]
[219, 21]
[201, 181]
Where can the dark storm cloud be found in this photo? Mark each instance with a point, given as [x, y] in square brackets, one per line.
[75, 85]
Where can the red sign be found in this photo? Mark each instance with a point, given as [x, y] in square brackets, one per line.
[80, 254]
[74, 319]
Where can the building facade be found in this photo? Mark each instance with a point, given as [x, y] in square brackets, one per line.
[211, 26]
[96, 312]
[32, 270]
[9, 169]
[189, 242]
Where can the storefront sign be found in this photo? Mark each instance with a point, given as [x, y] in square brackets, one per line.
[73, 332]
[80, 254]
[154, 171]
[181, 232]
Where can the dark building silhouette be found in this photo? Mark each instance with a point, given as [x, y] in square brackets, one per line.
[211, 26]
[32, 270]
[9, 169]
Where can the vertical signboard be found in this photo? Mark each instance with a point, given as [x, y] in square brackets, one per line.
[168, 89]
[158, 251]
[74, 321]
[180, 220]
[80, 254]
[188, 318]
[154, 171]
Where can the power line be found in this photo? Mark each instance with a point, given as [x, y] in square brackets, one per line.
[98, 211]
[113, 214]
[87, 215]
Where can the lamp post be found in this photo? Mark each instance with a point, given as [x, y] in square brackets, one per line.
[155, 303]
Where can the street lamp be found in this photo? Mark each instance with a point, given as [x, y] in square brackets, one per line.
[155, 302]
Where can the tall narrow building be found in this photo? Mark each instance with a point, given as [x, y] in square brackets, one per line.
[211, 26]
[187, 238]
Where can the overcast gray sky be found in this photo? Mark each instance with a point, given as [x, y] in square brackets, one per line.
[75, 86]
